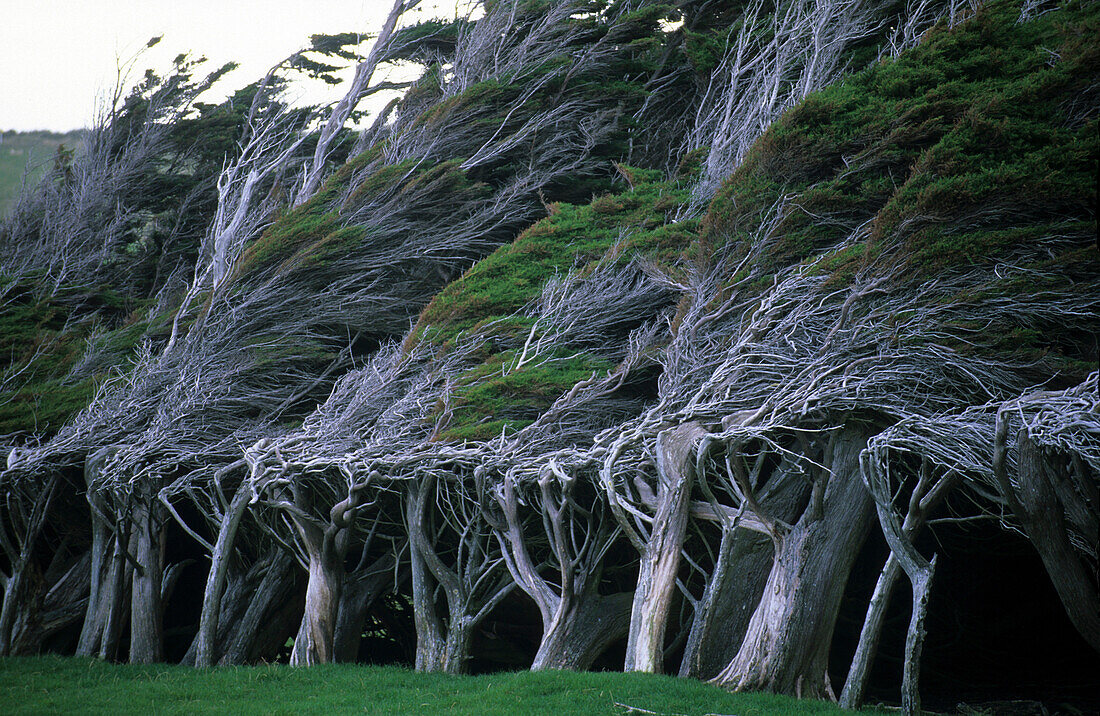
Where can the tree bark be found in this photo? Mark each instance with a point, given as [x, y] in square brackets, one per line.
[359, 594]
[95, 617]
[205, 648]
[661, 559]
[736, 585]
[577, 636]
[146, 630]
[263, 628]
[786, 646]
[1042, 514]
[314, 642]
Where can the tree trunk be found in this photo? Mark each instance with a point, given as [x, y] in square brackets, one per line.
[262, 630]
[661, 559]
[95, 618]
[1043, 515]
[735, 587]
[852, 695]
[359, 594]
[577, 636]
[786, 646]
[205, 647]
[146, 631]
[430, 643]
[314, 643]
[101, 569]
[114, 600]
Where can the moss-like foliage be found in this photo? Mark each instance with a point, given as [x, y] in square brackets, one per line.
[497, 395]
[962, 152]
[40, 343]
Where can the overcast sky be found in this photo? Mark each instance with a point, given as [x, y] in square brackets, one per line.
[58, 57]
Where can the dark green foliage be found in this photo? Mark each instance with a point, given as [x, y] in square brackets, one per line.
[612, 228]
[962, 152]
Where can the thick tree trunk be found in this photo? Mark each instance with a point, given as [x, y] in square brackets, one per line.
[723, 612]
[786, 646]
[661, 559]
[430, 644]
[577, 636]
[736, 585]
[146, 631]
[314, 643]
[205, 647]
[115, 603]
[359, 594]
[1037, 506]
[95, 614]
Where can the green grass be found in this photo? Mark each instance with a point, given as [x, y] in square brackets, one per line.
[66, 685]
[20, 150]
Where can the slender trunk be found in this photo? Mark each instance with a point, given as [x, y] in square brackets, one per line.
[856, 683]
[146, 630]
[205, 647]
[786, 646]
[578, 635]
[661, 559]
[914, 641]
[95, 617]
[429, 631]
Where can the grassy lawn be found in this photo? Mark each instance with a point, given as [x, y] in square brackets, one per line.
[65, 685]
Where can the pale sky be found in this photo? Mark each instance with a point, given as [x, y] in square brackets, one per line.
[58, 57]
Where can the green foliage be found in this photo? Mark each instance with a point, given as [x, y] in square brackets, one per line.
[496, 395]
[963, 152]
[41, 341]
[635, 222]
[55, 685]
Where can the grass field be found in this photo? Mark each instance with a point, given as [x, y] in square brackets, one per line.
[18, 150]
[45, 685]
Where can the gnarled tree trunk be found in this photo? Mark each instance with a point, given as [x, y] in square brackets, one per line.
[661, 558]
[786, 646]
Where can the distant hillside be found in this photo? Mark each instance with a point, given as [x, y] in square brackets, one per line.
[21, 149]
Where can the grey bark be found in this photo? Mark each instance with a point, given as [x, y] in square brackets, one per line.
[786, 645]
[578, 637]
[661, 558]
[736, 585]
[205, 647]
[1036, 505]
[146, 630]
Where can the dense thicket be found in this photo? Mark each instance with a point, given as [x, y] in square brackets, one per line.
[639, 317]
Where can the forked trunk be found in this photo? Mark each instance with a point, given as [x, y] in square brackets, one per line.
[660, 561]
[786, 646]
